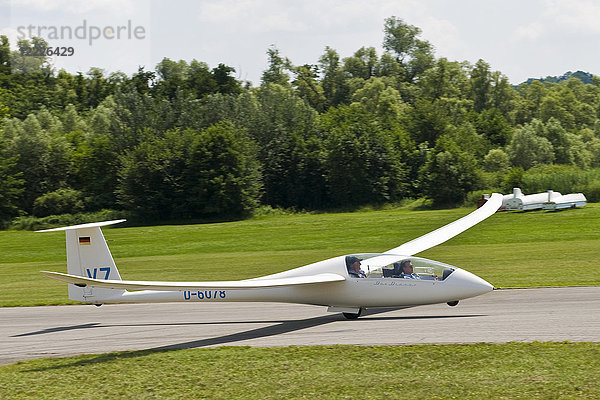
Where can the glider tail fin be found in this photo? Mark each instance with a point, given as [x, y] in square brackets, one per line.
[88, 256]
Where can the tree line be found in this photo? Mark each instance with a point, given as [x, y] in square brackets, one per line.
[186, 141]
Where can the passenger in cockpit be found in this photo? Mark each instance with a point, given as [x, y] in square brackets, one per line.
[353, 265]
[407, 270]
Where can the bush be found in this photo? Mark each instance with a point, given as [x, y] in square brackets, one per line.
[31, 223]
[188, 174]
[496, 160]
[592, 192]
[473, 197]
[493, 181]
[560, 178]
[264, 211]
[527, 150]
[513, 179]
[450, 174]
[61, 201]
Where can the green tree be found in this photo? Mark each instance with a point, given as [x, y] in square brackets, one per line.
[558, 136]
[513, 179]
[27, 59]
[135, 115]
[61, 201]
[492, 124]
[277, 66]
[142, 80]
[481, 85]
[98, 87]
[199, 80]
[557, 107]
[11, 185]
[334, 80]
[527, 149]
[466, 138]
[534, 92]
[95, 171]
[171, 77]
[449, 174]
[65, 92]
[29, 146]
[427, 121]
[151, 177]
[5, 99]
[226, 83]
[308, 87]
[391, 68]
[414, 55]
[42, 159]
[71, 121]
[501, 94]
[445, 79]
[290, 148]
[222, 176]
[363, 64]
[496, 160]
[49, 122]
[4, 55]
[362, 164]
[579, 153]
[190, 174]
[594, 147]
[381, 101]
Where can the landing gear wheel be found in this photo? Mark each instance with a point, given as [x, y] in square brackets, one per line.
[452, 303]
[353, 315]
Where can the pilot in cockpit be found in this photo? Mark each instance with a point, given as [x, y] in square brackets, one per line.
[353, 265]
[407, 270]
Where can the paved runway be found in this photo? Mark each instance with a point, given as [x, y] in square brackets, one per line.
[545, 314]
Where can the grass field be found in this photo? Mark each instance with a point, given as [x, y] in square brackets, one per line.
[508, 249]
[508, 371]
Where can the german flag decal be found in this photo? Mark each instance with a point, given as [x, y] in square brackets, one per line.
[84, 240]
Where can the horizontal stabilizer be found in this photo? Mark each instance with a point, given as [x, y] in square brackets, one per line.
[166, 286]
[84, 226]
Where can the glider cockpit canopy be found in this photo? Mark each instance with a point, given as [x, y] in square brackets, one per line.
[380, 265]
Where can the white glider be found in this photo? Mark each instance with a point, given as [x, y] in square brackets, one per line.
[346, 284]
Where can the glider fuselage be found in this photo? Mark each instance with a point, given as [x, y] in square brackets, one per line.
[373, 291]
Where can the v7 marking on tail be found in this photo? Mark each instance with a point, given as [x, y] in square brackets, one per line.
[93, 276]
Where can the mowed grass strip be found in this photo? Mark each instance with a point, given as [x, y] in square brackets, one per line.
[508, 249]
[495, 371]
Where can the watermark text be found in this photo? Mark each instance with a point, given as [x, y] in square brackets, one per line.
[85, 31]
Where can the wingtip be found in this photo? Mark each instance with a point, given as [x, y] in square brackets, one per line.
[51, 274]
[496, 199]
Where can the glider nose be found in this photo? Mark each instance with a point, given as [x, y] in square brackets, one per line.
[471, 283]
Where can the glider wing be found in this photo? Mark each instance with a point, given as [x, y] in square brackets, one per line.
[167, 286]
[446, 232]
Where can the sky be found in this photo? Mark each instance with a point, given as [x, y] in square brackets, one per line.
[521, 39]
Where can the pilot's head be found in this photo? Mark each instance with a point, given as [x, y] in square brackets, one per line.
[351, 260]
[406, 267]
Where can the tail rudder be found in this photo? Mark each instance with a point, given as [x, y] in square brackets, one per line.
[88, 255]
